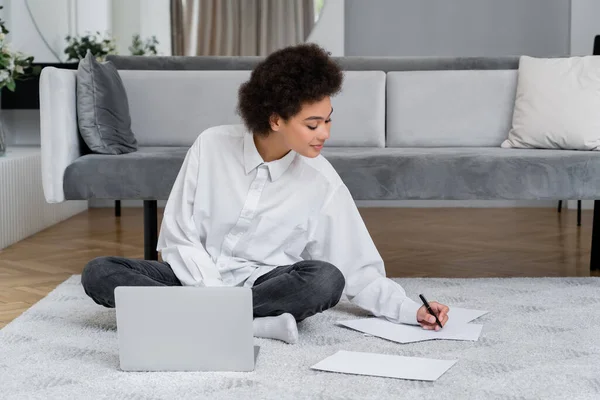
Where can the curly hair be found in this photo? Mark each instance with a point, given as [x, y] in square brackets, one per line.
[285, 80]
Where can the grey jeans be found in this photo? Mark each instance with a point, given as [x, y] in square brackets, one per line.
[302, 289]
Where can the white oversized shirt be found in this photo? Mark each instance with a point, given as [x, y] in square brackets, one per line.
[231, 217]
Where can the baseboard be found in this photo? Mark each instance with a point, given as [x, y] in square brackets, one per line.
[585, 204]
[457, 203]
[95, 203]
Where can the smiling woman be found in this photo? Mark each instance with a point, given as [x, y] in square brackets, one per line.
[256, 205]
[286, 103]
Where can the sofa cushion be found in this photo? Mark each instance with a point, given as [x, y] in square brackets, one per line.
[467, 173]
[371, 174]
[449, 108]
[146, 174]
[359, 111]
[178, 105]
[557, 104]
[103, 108]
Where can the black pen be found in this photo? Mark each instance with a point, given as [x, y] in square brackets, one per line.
[430, 310]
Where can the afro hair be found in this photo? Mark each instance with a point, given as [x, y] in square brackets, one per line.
[284, 81]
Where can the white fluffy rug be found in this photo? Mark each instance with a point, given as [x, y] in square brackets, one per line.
[541, 340]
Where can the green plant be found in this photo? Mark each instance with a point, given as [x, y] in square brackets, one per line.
[14, 65]
[141, 48]
[100, 46]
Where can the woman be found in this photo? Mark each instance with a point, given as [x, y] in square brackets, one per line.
[256, 205]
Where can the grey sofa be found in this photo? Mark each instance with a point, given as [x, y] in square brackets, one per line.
[404, 128]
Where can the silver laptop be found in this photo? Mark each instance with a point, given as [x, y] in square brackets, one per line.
[170, 328]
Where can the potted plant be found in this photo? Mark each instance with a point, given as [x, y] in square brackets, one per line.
[143, 48]
[100, 46]
[13, 66]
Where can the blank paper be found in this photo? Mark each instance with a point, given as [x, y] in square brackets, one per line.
[403, 333]
[464, 315]
[390, 366]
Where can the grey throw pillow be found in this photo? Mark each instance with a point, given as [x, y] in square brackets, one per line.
[102, 108]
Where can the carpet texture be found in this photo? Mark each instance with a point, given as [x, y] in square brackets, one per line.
[540, 340]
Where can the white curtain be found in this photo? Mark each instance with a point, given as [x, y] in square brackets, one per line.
[238, 27]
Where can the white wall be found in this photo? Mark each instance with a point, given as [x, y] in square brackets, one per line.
[93, 16]
[585, 24]
[155, 19]
[125, 22]
[58, 18]
[55, 20]
[146, 17]
[457, 27]
[329, 29]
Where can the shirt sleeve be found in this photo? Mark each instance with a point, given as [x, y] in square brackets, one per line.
[341, 238]
[179, 240]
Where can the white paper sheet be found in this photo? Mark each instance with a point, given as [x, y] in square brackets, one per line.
[403, 333]
[390, 366]
[464, 315]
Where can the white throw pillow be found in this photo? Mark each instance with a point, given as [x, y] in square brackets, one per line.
[557, 104]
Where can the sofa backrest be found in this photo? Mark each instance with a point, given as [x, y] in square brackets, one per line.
[449, 108]
[172, 107]
[430, 101]
[353, 63]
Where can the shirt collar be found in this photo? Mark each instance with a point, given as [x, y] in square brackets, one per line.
[253, 159]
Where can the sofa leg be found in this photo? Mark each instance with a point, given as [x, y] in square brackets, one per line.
[559, 205]
[595, 253]
[117, 208]
[150, 230]
[578, 212]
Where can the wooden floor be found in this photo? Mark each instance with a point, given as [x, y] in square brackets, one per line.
[413, 242]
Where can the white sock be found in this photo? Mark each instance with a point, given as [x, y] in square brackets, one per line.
[282, 327]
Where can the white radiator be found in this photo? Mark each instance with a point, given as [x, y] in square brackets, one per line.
[23, 208]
